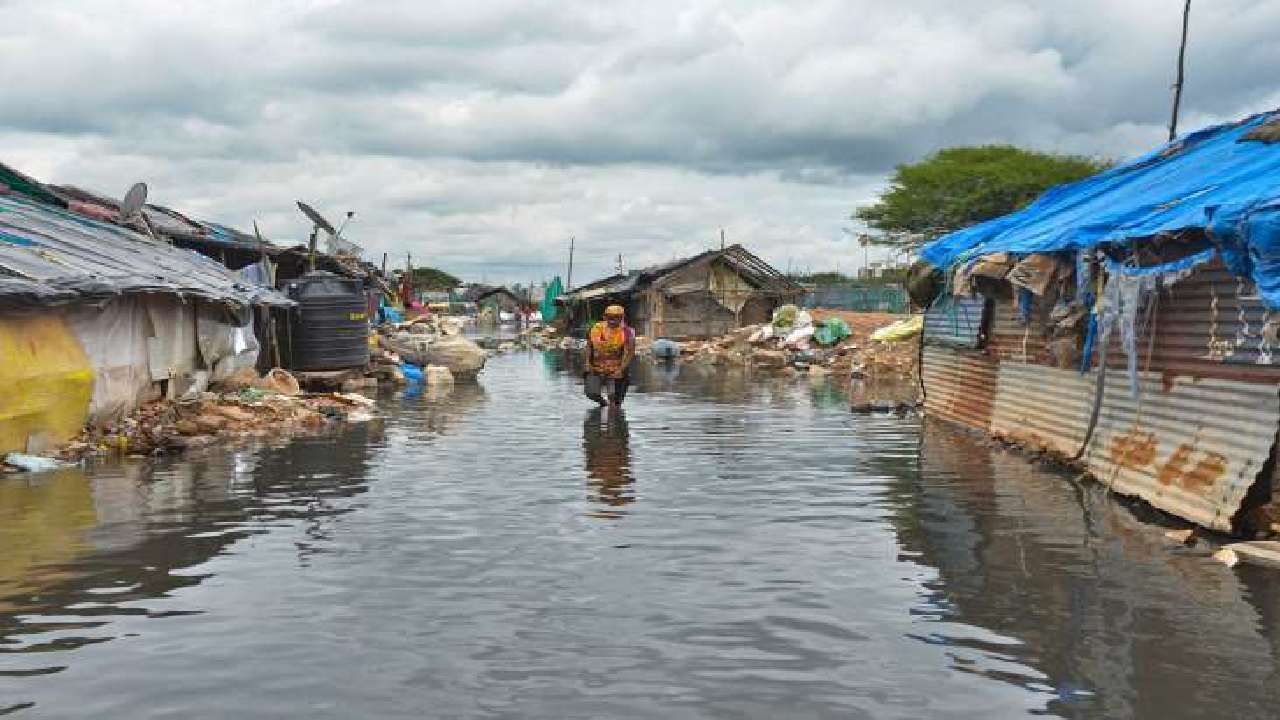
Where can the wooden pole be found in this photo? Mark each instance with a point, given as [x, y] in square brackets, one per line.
[568, 283]
[1177, 85]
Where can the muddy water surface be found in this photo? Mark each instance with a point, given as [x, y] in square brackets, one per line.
[725, 549]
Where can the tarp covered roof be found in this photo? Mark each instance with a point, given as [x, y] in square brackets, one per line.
[1223, 180]
[51, 255]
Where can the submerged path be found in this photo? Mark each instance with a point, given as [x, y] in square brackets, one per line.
[728, 549]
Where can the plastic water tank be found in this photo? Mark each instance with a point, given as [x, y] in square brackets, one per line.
[329, 330]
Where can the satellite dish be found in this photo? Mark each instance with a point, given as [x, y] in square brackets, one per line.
[316, 218]
[133, 201]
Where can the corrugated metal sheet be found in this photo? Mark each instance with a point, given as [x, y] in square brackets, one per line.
[1012, 339]
[49, 255]
[1042, 408]
[955, 322]
[959, 386]
[1215, 325]
[1195, 440]
[1193, 449]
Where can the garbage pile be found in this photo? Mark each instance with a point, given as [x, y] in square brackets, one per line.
[269, 406]
[876, 352]
[540, 337]
[407, 352]
[793, 340]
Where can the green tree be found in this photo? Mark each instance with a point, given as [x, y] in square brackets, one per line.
[961, 186]
[431, 279]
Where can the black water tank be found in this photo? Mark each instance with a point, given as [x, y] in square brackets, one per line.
[329, 329]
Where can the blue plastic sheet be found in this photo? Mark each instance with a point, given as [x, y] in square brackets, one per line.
[1212, 180]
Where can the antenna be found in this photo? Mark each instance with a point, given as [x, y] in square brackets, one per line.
[316, 218]
[131, 206]
[318, 223]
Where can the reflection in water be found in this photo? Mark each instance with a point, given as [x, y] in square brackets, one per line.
[606, 444]
[793, 560]
[1115, 621]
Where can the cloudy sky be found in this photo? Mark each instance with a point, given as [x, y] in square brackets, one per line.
[481, 135]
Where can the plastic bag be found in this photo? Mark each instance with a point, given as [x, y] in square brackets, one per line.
[785, 316]
[900, 330]
[832, 331]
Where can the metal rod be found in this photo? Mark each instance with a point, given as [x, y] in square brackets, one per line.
[568, 283]
[1177, 85]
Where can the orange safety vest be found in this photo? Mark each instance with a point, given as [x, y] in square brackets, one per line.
[608, 346]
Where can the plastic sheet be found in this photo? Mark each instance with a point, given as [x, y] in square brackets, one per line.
[227, 343]
[1215, 179]
[114, 337]
[46, 382]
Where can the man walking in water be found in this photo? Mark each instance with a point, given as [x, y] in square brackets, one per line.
[611, 345]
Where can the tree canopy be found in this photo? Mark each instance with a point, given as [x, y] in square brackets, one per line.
[961, 186]
[431, 279]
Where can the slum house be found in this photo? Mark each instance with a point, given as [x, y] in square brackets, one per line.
[499, 299]
[258, 257]
[96, 319]
[284, 332]
[702, 296]
[1124, 323]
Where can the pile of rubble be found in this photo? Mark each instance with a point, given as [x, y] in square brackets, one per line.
[819, 343]
[270, 406]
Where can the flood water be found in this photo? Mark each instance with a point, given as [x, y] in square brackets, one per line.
[727, 549]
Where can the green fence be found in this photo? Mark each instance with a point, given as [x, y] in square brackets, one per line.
[859, 298]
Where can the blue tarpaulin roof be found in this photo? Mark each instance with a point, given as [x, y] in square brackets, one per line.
[1215, 180]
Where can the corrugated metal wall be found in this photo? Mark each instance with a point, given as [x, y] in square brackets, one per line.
[1195, 439]
[955, 322]
[959, 385]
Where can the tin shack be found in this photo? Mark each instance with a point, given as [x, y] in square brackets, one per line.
[1123, 323]
[96, 318]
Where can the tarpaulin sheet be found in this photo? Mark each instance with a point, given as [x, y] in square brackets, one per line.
[1213, 179]
[227, 343]
[49, 255]
[45, 383]
[114, 337]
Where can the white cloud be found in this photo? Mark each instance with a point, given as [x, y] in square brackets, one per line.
[481, 135]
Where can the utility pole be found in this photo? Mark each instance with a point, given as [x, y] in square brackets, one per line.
[621, 268]
[721, 239]
[1177, 85]
[568, 283]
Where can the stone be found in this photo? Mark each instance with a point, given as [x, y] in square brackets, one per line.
[209, 422]
[233, 413]
[769, 359]
[437, 375]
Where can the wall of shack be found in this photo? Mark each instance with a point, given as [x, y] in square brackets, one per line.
[1192, 433]
[682, 305]
[62, 367]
